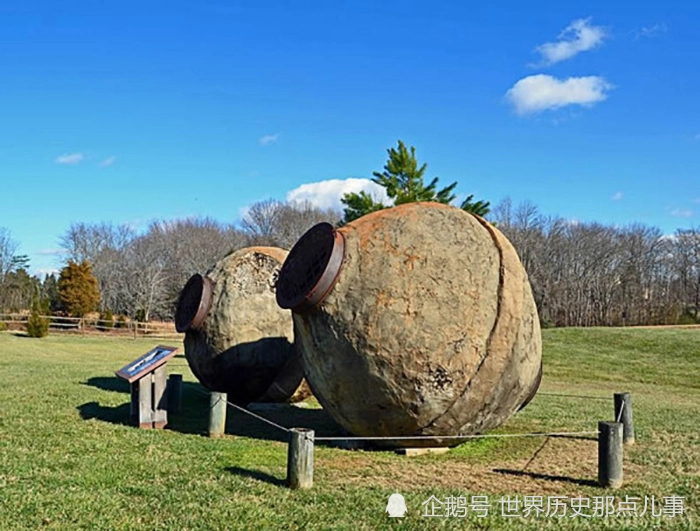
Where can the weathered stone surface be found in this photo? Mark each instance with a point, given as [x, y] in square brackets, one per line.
[430, 329]
[245, 347]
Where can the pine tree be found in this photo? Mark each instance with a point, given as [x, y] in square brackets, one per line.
[480, 208]
[358, 205]
[402, 179]
[38, 326]
[78, 288]
[49, 291]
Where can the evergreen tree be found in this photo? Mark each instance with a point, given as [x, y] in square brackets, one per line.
[37, 326]
[402, 179]
[358, 205]
[78, 288]
[18, 290]
[108, 318]
[480, 208]
[49, 292]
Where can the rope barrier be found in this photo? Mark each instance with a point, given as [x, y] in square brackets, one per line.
[441, 437]
[574, 396]
[418, 437]
[244, 410]
[271, 423]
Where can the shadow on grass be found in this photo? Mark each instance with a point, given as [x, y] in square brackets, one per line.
[113, 415]
[192, 419]
[108, 383]
[286, 415]
[256, 474]
[194, 415]
[547, 477]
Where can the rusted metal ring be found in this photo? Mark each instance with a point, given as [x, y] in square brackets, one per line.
[311, 269]
[193, 304]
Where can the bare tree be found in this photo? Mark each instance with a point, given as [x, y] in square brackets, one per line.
[280, 224]
[189, 246]
[687, 261]
[8, 252]
[104, 246]
[585, 274]
[193, 245]
[84, 241]
[144, 278]
[297, 217]
[261, 222]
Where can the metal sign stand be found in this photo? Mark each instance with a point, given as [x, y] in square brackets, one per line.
[147, 376]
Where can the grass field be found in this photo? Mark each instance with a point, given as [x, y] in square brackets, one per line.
[69, 459]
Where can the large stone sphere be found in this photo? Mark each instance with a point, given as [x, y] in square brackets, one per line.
[237, 340]
[414, 320]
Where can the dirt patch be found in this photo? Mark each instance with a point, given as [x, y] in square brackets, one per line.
[561, 466]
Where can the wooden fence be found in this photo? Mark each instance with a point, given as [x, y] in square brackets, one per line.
[86, 325]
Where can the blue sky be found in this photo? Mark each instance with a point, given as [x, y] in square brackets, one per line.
[141, 110]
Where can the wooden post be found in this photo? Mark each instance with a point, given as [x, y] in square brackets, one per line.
[623, 413]
[134, 408]
[175, 393]
[146, 402]
[160, 398]
[610, 454]
[217, 414]
[300, 459]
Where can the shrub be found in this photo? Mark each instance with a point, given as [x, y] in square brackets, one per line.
[121, 321]
[686, 319]
[107, 320]
[546, 323]
[37, 326]
[3, 326]
[140, 316]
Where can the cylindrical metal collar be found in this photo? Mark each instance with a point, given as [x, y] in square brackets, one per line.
[311, 269]
[194, 303]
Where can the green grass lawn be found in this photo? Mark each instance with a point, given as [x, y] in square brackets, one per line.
[70, 460]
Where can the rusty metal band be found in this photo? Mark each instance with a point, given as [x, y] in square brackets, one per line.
[197, 293]
[311, 269]
[327, 279]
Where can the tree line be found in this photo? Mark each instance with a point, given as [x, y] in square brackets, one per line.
[117, 270]
[582, 274]
[591, 274]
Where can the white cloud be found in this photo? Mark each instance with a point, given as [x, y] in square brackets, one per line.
[682, 213]
[268, 139]
[651, 31]
[577, 37]
[45, 272]
[73, 158]
[108, 161]
[52, 252]
[541, 92]
[617, 196]
[327, 194]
